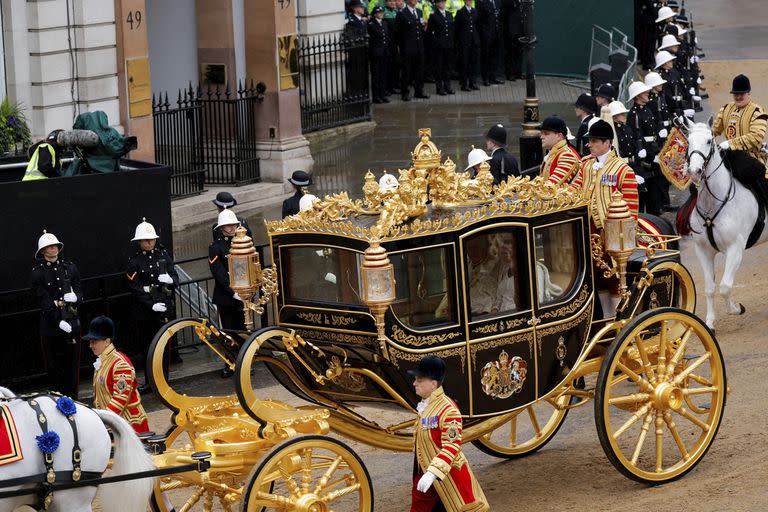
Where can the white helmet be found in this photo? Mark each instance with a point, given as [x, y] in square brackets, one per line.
[637, 88]
[44, 241]
[665, 13]
[653, 79]
[388, 182]
[476, 156]
[145, 231]
[668, 41]
[617, 108]
[227, 218]
[306, 202]
[662, 58]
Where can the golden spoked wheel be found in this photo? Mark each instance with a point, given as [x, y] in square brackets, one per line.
[660, 395]
[527, 431]
[309, 474]
[189, 492]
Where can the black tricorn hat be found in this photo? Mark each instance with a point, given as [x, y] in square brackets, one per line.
[554, 124]
[606, 91]
[600, 130]
[741, 85]
[100, 328]
[300, 179]
[430, 367]
[587, 103]
[498, 134]
[225, 200]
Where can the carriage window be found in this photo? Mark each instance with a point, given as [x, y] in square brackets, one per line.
[493, 265]
[322, 274]
[557, 261]
[424, 287]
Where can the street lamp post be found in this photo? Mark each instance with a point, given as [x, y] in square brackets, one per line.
[530, 143]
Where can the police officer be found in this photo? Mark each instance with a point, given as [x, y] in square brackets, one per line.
[226, 200]
[152, 279]
[441, 33]
[298, 180]
[355, 32]
[512, 29]
[379, 51]
[409, 27]
[393, 57]
[44, 159]
[489, 27]
[742, 122]
[646, 130]
[56, 284]
[503, 164]
[585, 108]
[468, 45]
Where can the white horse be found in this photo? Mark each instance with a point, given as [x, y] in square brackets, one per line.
[95, 445]
[731, 210]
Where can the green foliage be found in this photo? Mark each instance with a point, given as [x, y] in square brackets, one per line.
[14, 130]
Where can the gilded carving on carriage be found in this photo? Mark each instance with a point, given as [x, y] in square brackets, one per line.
[569, 308]
[503, 377]
[403, 337]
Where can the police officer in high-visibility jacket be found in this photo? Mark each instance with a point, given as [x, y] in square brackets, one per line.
[44, 159]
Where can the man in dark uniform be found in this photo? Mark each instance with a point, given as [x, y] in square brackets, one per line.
[624, 134]
[646, 130]
[440, 31]
[409, 26]
[226, 200]
[468, 45]
[56, 284]
[604, 96]
[657, 102]
[355, 32]
[585, 108]
[393, 57]
[678, 98]
[152, 279]
[512, 28]
[503, 165]
[378, 49]
[299, 180]
[489, 27]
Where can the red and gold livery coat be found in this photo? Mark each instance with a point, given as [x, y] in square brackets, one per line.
[597, 183]
[560, 164]
[114, 388]
[438, 450]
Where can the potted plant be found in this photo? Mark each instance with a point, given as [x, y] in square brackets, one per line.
[15, 136]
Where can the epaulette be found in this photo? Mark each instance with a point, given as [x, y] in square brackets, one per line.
[585, 158]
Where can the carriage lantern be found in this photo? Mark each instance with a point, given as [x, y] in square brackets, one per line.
[620, 236]
[245, 274]
[378, 287]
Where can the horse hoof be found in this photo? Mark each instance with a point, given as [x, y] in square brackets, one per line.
[742, 309]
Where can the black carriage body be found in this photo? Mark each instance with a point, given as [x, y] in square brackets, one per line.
[504, 348]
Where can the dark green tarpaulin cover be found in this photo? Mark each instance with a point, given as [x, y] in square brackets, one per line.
[106, 156]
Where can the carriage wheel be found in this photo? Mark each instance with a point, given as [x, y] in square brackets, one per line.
[309, 474]
[173, 493]
[527, 431]
[660, 395]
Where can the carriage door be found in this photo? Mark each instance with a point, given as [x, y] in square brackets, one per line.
[497, 275]
[562, 300]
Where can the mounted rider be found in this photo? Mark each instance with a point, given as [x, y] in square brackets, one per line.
[743, 122]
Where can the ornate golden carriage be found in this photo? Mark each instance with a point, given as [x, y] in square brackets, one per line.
[498, 281]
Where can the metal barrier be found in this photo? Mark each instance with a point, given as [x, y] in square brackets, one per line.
[333, 81]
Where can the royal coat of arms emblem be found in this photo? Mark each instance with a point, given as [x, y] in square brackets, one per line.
[503, 378]
[673, 159]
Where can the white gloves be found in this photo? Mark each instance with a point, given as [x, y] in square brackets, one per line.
[330, 277]
[696, 98]
[663, 133]
[236, 296]
[642, 153]
[70, 297]
[656, 159]
[640, 180]
[689, 112]
[165, 279]
[697, 58]
[692, 60]
[64, 326]
[698, 80]
[725, 145]
[426, 481]
[692, 90]
[159, 307]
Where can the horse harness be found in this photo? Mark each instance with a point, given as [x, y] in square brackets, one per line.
[709, 221]
[46, 480]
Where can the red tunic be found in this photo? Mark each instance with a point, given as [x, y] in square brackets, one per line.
[114, 388]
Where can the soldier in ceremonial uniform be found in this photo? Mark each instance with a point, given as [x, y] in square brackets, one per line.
[676, 93]
[409, 28]
[561, 161]
[298, 180]
[585, 108]
[657, 101]
[742, 122]
[489, 27]
[378, 48]
[56, 284]
[647, 133]
[152, 279]
[442, 478]
[115, 386]
[441, 33]
[600, 174]
[624, 134]
[468, 45]
[503, 165]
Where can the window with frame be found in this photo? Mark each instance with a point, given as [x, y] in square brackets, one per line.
[557, 261]
[425, 287]
[322, 274]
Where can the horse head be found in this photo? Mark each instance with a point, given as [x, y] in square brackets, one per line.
[701, 148]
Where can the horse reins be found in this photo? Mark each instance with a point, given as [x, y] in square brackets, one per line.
[709, 221]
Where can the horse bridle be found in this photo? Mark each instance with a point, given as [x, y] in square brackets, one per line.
[709, 221]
